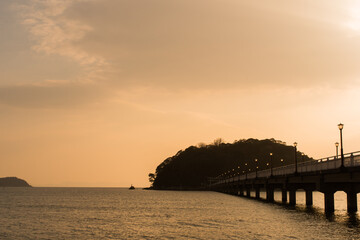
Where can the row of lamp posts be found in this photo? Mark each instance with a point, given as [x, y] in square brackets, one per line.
[341, 126]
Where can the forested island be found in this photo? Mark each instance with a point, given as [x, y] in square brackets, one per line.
[189, 169]
[13, 182]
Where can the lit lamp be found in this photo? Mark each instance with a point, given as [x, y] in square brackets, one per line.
[341, 126]
[271, 164]
[295, 144]
[256, 167]
[337, 149]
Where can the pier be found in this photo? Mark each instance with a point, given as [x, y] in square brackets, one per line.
[327, 175]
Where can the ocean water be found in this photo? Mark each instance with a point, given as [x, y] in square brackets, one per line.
[114, 213]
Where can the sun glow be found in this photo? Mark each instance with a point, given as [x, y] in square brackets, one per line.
[353, 13]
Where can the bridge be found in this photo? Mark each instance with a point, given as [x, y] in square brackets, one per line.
[326, 175]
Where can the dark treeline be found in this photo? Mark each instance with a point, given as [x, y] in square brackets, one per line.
[189, 168]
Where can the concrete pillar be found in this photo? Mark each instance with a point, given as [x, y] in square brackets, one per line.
[257, 193]
[292, 197]
[241, 192]
[283, 196]
[270, 194]
[233, 190]
[329, 202]
[351, 201]
[309, 197]
[248, 193]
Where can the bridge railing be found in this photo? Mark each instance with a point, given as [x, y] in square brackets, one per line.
[333, 162]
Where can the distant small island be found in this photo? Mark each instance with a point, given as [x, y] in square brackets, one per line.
[13, 182]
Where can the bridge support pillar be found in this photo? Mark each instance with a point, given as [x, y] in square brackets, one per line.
[270, 194]
[238, 190]
[283, 196]
[309, 197]
[257, 193]
[233, 190]
[241, 192]
[248, 192]
[329, 202]
[351, 201]
[292, 197]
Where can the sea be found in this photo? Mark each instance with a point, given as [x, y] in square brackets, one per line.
[118, 213]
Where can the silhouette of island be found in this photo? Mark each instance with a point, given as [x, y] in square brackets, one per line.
[13, 182]
[189, 169]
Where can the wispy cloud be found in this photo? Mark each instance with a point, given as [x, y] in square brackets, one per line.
[50, 96]
[55, 34]
[240, 44]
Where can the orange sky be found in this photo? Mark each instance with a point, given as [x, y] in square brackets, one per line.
[99, 92]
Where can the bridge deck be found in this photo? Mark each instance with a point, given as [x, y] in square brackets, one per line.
[325, 175]
[351, 160]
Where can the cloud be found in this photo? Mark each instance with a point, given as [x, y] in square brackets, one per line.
[198, 44]
[207, 44]
[54, 34]
[51, 96]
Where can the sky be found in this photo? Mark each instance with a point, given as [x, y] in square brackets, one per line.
[97, 93]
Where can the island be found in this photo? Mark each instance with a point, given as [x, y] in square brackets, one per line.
[194, 167]
[13, 182]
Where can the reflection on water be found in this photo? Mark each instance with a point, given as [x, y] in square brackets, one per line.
[352, 220]
[112, 213]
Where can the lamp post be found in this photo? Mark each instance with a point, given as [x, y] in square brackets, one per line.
[341, 126]
[271, 164]
[246, 167]
[256, 167]
[295, 144]
[337, 149]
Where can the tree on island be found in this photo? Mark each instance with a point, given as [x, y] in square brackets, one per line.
[190, 168]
